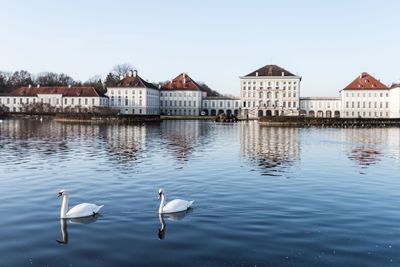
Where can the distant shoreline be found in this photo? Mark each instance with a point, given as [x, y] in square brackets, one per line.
[329, 122]
[280, 121]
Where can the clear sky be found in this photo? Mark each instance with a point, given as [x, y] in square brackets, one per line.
[328, 43]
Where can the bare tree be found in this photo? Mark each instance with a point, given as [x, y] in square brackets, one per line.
[19, 78]
[54, 79]
[96, 82]
[121, 69]
[210, 92]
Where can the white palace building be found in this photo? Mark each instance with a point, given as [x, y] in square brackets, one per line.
[270, 91]
[133, 95]
[267, 91]
[364, 97]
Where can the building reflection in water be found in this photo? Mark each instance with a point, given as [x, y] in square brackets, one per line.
[182, 138]
[125, 142]
[120, 142]
[271, 148]
[366, 144]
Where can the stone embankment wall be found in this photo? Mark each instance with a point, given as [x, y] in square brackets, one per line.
[106, 118]
[329, 122]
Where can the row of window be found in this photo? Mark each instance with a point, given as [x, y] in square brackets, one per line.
[365, 104]
[56, 101]
[269, 83]
[221, 104]
[321, 104]
[269, 87]
[364, 94]
[119, 102]
[276, 104]
[269, 94]
[181, 94]
[176, 103]
[133, 92]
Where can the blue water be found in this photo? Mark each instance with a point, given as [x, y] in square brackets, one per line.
[263, 196]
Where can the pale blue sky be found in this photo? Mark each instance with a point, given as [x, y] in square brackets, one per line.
[327, 42]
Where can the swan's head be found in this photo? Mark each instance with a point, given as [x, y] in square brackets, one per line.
[160, 193]
[62, 192]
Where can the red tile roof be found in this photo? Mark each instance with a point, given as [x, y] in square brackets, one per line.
[270, 70]
[135, 81]
[365, 81]
[182, 82]
[82, 91]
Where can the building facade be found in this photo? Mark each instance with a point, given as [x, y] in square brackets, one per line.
[394, 100]
[366, 97]
[181, 96]
[133, 95]
[216, 105]
[53, 99]
[321, 107]
[269, 91]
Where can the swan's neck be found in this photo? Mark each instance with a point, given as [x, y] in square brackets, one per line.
[64, 207]
[162, 203]
[64, 231]
[161, 218]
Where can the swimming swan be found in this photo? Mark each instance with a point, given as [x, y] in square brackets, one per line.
[175, 205]
[79, 211]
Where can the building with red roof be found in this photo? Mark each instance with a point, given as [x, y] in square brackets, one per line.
[61, 98]
[134, 95]
[181, 96]
[366, 97]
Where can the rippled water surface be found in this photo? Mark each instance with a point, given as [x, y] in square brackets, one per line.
[263, 196]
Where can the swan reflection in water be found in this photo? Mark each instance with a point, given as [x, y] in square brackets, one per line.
[178, 216]
[64, 226]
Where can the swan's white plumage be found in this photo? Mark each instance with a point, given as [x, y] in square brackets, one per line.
[83, 210]
[177, 205]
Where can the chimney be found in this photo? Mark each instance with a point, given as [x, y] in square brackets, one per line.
[30, 86]
[130, 73]
[256, 73]
[121, 77]
[69, 86]
[134, 73]
[360, 75]
[283, 73]
[38, 86]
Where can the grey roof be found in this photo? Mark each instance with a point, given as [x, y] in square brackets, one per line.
[270, 70]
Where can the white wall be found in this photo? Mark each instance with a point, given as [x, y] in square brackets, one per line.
[395, 102]
[321, 106]
[134, 100]
[181, 102]
[365, 103]
[274, 93]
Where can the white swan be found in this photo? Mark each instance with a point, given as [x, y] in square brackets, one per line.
[175, 205]
[79, 211]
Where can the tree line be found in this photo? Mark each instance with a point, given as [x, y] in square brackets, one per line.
[10, 81]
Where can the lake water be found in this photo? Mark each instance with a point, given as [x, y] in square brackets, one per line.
[263, 196]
